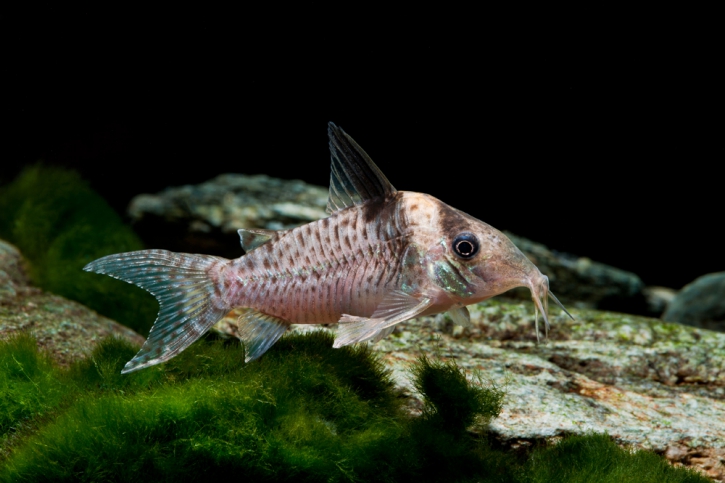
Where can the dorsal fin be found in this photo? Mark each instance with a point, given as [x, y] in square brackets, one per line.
[251, 238]
[354, 178]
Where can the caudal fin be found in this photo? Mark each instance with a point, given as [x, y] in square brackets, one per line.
[186, 295]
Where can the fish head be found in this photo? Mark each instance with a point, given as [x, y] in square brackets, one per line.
[473, 261]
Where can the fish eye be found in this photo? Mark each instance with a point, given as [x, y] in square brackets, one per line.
[465, 245]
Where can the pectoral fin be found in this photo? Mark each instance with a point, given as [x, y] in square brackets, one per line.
[460, 316]
[396, 307]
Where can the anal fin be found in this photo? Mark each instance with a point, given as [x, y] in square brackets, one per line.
[259, 332]
[396, 307]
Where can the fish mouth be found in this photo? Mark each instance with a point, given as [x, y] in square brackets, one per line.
[540, 294]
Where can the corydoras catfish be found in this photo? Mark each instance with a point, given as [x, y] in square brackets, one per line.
[382, 257]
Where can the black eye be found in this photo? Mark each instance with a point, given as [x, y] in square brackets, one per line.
[465, 245]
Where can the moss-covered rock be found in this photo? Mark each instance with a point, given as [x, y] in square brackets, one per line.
[303, 412]
[649, 384]
[594, 457]
[65, 329]
[60, 225]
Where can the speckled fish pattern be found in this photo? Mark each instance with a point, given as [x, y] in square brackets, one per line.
[382, 257]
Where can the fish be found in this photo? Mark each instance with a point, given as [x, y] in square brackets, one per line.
[380, 258]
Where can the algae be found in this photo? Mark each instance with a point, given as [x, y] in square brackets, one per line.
[60, 225]
[303, 412]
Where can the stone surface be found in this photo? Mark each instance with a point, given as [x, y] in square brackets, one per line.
[659, 298]
[583, 282]
[647, 383]
[700, 303]
[204, 218]
[65, 329]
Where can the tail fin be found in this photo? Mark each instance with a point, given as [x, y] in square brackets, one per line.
[186, 295]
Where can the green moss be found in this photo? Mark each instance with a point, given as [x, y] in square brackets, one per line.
[596, 458]
[452, 405]
[60, 224]
[29, 383]
[303, 412]
[101, 371]
[452, 402]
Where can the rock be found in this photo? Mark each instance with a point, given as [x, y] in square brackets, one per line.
[649, 384]
[700, 303]
[65, 329]
[584, 282]
[204, 219]
[659, 298]
[12, 274]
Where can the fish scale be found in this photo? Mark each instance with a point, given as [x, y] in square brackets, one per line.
[382, 257]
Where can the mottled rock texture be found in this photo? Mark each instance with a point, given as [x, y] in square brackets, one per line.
[700, 303]
[647, 383]
[583, 282]
[67, 330]
[204, 218]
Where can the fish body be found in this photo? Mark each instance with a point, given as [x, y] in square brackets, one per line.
[382, 257]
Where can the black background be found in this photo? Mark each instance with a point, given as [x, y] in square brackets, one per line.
[599, 139]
